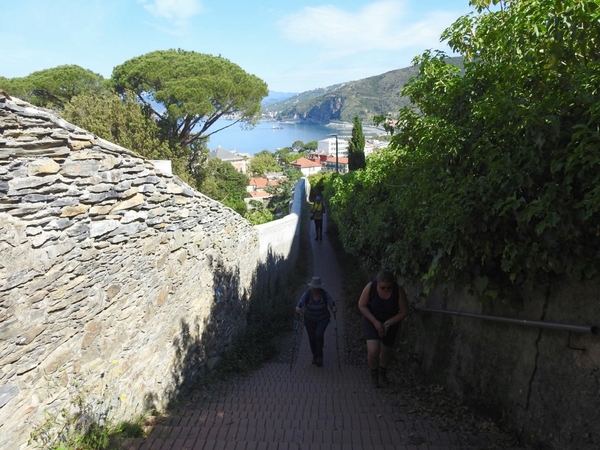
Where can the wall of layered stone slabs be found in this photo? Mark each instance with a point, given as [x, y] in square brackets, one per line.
[118, 283]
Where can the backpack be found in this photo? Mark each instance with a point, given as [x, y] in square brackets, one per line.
[308, 298]
[317, 210]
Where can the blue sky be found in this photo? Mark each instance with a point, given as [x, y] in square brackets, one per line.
[294, 46]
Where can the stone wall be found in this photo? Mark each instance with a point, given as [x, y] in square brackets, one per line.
[118, 283]
[279, 240]
[543, 382]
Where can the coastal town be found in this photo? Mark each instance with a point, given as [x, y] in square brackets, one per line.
[331, 155]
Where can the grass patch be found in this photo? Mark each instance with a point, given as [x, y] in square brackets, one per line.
[85, 425]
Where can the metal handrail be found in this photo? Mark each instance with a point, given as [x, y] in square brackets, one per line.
[593, 329]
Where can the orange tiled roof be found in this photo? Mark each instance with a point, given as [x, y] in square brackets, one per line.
[305, 163]
[261, 182]
[331, 159]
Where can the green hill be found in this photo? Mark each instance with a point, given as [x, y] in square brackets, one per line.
[341, 102]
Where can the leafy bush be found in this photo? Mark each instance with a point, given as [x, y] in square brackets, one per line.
[258, 213]
[491, 179]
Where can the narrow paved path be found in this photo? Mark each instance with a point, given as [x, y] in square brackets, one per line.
[284, 407]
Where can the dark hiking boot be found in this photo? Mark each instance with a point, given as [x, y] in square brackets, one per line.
[375, 378]
[383, 376]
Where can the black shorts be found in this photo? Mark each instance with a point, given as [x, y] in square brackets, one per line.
[371, 333]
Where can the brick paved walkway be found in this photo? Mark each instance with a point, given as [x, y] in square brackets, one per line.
[308, 407]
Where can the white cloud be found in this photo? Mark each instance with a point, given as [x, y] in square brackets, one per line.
[176, 11]
[383, 25]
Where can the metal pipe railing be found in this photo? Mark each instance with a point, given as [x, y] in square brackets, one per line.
[534, 323]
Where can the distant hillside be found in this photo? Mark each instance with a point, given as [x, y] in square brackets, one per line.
[275, 97]
[366, 98]
[294, 99]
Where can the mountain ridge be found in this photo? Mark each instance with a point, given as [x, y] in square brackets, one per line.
[368, 97]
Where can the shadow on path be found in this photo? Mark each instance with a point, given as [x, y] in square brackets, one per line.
[302, 406]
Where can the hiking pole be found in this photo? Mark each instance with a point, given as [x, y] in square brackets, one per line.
[294, 343]
[297, 338]
[337, 344]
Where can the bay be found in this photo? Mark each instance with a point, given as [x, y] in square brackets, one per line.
[268, 135]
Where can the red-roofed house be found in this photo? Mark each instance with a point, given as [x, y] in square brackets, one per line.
[318, 157]
[307, 166]
[256, 189]
[259, 184]
[330, 165]
[240, 163]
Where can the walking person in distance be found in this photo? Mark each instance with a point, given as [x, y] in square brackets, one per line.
[317, 210]
[383, 305]
[317, 305]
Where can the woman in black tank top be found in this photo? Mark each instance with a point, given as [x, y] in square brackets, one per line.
[383, 305]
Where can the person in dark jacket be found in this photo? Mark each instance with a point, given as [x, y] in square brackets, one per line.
[383, 305]
[316, 304]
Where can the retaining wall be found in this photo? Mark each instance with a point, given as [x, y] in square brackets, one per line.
[119, 283]
[545, 383]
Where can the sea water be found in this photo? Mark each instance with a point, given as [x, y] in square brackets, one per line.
[268, 135]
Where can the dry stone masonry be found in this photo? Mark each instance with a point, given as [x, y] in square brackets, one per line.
[118, 283]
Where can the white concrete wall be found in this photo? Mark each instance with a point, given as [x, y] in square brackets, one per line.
[280, 237]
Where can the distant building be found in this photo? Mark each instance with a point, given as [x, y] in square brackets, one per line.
[256, 189]
[372, 145]
[327, 146]
[318, 157]
[330, 164]
[240, 163]
[275, 176]
[307, 166]
[258, 184]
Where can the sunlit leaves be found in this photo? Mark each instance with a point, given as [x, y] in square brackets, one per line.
[222, 182]
[190, 91]
[262, 163]
[118, 120]
[492, 177]
[54, 88]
